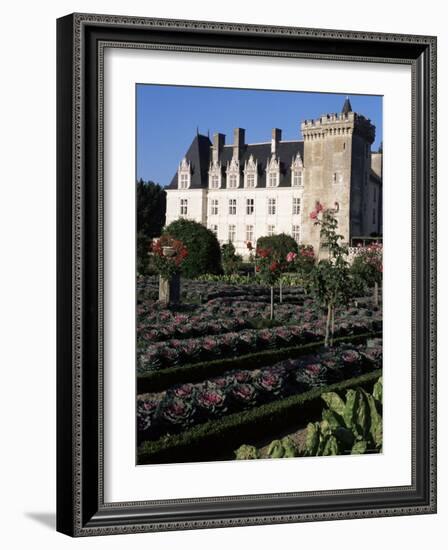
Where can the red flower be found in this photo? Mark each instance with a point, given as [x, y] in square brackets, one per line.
[319, 207]
[313, 215]
[274, 266]
[257, 268]
[263, 252]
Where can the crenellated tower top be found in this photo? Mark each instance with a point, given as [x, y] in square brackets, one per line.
[345, 123]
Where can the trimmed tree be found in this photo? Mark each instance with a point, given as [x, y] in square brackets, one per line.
[204, 253]
[269, 270]
[329, 280]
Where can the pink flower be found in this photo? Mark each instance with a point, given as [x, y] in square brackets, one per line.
[319, 207]
[291, 256]
[313, 215]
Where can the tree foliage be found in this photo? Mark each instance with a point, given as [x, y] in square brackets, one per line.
[151, 210]
[204, 253]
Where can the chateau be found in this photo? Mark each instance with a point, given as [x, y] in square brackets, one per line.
[245, 191]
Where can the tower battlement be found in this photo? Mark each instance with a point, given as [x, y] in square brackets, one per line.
[335, 124]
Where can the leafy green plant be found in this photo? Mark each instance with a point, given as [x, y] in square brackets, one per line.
[247, 452]
[353, 425]
[278, 448]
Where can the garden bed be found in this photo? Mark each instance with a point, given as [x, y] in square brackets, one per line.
[217, 439]
[159, 380]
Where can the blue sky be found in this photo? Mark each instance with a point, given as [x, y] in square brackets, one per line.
[168, 116]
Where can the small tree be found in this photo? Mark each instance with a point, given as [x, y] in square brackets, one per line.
[329, 280]
[269, 269]
[367, 268]
[229, 259]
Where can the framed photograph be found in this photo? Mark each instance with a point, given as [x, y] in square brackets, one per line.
[246, 274]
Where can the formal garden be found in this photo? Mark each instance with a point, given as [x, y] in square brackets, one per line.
[277, 355]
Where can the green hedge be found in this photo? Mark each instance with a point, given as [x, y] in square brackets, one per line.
[196, 372]
[217, 439]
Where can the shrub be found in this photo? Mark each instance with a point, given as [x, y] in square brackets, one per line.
[280, 245]
[204, 254]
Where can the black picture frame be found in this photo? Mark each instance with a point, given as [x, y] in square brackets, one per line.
[81, 510]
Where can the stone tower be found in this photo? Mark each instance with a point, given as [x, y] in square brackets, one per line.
[337, 161]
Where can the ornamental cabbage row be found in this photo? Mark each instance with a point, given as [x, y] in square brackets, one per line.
[180, 352]
[185, 405]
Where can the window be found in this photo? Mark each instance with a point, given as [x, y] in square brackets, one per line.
[214, 228]
[271, 207]
[296, 205]
[232, 230]
[296, 233]
[233, 180]
[297, 179]
[250, 206]
[214, 207]
[214, 181]
[183, 207]
[271, 230]
[250, 180]
[184, 180]
[273, 179]
[249, 233]
[232, 206]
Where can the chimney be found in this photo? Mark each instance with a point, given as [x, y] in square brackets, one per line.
[218, 144]
[238, 142]
[276, 137]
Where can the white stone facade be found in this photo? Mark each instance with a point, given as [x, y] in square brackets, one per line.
[241, 215]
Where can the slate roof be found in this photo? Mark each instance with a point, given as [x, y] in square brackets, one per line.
[347, 107]
[199, 155]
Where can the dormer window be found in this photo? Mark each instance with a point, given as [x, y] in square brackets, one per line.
[184, 174]
[251, 172]
[233, 174]
[297, 171]
[214, 175]
[273, 172]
